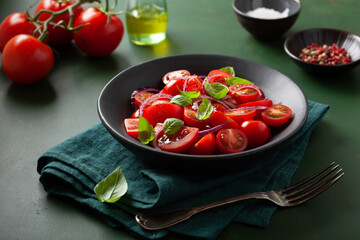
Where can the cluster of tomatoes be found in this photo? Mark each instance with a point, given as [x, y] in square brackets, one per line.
[25, 40]
[240, 119]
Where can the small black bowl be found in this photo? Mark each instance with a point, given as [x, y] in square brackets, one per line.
[266, 29]
[114, 106]
[350, 42]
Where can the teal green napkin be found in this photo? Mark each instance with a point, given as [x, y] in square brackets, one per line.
[74, 167]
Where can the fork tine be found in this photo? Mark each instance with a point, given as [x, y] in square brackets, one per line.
[305, 181]
[315, 180]
[316, 190]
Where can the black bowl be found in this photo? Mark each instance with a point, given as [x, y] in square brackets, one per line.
[114, 106]
[266, 29]
[350, 42]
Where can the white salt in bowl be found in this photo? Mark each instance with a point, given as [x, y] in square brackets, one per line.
[267, 19]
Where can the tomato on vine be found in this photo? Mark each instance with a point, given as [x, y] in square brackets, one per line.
[26, 60]
[100, 34]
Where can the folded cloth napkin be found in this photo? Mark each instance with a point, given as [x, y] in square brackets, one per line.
[74, 167]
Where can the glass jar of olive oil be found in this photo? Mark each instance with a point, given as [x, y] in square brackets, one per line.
[146, 21]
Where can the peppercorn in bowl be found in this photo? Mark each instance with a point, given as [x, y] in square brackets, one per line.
[324, 51]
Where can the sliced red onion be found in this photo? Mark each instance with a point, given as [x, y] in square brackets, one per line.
[213, 129]
[152, 99]
[154, 141]
[196, 103]
[202, 76]
[249, 108]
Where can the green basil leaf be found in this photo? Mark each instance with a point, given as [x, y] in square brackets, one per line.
[229, 70]
[205, 109]
[236, 80]
[216, 90]
[181, 100]
[190, 94]
[172, 126]
[111, 188]
[146, 131]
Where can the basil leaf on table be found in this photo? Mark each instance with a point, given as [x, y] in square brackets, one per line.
[146, 131]
[111, 188]
[205, 109]
[172, 126]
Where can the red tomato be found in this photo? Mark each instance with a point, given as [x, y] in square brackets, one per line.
[245, 92]
[240, 115]
[260, 103]
[216, 118]
[192, 121]
[219, 76]
[57, 34]
[256, 131]
[276, 115]
[179, 142]
[12, 25]
[141, 96]
[219, 107]
[231, 140]
[205, 146]
[132, 127]
[160, 112]
[135, 114]
[98, 37]
[187, 84]
[174, 75]
[26, 60]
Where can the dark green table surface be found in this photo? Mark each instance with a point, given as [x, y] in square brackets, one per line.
[35, 118]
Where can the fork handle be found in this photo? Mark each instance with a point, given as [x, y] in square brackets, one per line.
[162, 220]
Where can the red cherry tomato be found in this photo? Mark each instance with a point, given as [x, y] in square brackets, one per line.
[245, 92]
[98, 37]
[256, 131]
[12, 25]
[26, 60]
[187, 84]
[240, 115]
[174, 75]
[132, 127]
[135, 114]
[231, 140]
[260, 103]
[57, 34]
[141, 96]
[160, 112]
[276, 115]
[179, 142]
[205, 146]
[216, 118]
[219, 107]
[192, 121]
[218, 76]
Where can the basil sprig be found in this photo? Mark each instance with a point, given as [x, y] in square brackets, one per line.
[184, 98]
[111, 188]
[216, 90]
[205, 109]
[172, 126]
[229, 70]
[236, 80]
[146, 131]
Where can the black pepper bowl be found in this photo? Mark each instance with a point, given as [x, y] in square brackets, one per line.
[114, 106]
[266, 29]
[350, 42]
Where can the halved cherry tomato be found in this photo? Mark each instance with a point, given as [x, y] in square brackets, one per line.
[276, 115]
[245, 92]
[260, 103]
[205, 146]
[141, 96]
[158, 113]
[219, 107]
[192, 83]
[216, 118]
[179, 142]
[135, 114]
[218, 76]
[256, 131]
[132, 127]
[240, 115]
[174, 75]
[231, 140]
[192, 121]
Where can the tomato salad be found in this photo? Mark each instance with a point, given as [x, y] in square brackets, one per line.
[204, 115]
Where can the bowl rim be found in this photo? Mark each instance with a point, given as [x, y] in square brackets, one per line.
[296, 58]
[244, 15]
[200, 158]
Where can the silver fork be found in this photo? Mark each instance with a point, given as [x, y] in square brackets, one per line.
[286, 197]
